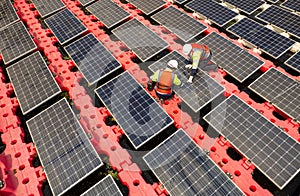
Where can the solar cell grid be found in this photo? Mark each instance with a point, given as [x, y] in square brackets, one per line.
[185, 169]
[294, 62]
[15, 42]
[270, 149]
[85, 2]
[280, 90]
[108, 12]
[65, 26]
[92, 58]
[140, 39]
[105, 187]
[148, 7]
[236, 61]
[212, 10]
[8, 14]
[178, 22]
[292, 5]
[246, 6]
[66, 154]
[203, 90]
[46, 7]
[32, 81]
[267, 40]
[281, 18]
[137, 113]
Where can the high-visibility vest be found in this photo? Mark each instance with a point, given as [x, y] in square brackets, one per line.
[204, 50]
[165, 82]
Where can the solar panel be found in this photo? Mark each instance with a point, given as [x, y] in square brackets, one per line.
[8, 14]
[292, 5]
[15, 42]
[92, 58]
[270, 149]
[137, 113]
[105, 187]
[32, 81]
[267, 40]
[294, 62]
[279, 89]
[140, 39]
[148, 7]
[212, 10]
[108, 12]
[246, 6]
[178, 22]
[65, 26]
[46, 7]
[66, 154]
[273, 1]
[203, 90]
[185, 169]
[281, 18]
[85, 2]
[233, 59]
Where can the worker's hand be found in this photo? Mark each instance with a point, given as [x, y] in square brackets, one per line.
[189, 66]
[190, 79]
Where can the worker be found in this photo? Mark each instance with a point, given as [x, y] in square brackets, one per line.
[199, 55]
[165, 79]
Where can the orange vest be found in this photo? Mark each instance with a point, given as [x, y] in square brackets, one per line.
[204, 49]
[165, 82]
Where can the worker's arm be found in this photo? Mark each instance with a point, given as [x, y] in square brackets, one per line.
[196, 59]
[176, 80]
[154, 77]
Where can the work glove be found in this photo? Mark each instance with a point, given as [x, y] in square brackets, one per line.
[189, 66]
[190, 79]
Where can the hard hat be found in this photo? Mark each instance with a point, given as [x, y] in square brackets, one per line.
[187, 49]
[173, 64]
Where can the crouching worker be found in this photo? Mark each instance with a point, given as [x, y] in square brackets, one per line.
[164, 80]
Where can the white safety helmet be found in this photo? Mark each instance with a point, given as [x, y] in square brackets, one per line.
[187, 48]
[173, 64]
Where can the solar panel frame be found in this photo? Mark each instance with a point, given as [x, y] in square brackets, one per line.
[212, 10]
[65, 19]
[282, 19]
[142, 5]
[140, 40]
[17, 37]
[242, 5]
[106, 10]
[46, 7]
[101, 188]
[226, 56]
[252, 33]
[131, 123]
[276, 93]
[26, 90]
[99, 55]
[294, 62]
[181, 1]
[8, 14]
[185, 143]
[186, 28]
[293, 5]
[273, 1]
[189, 93]
[269, 148]
[85, 2]
[31, 122]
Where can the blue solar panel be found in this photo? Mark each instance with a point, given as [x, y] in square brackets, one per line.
[212, 10]
[292, 5]
[294, 61]
[185, 169]
[137, 113]
[265, 39]
[245, 5]
[92, 58]
[65, 26]
[281, 18]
